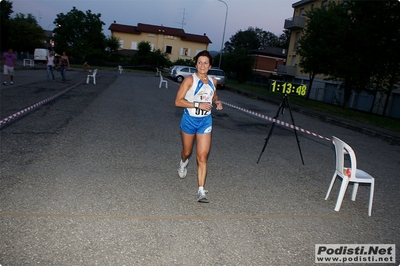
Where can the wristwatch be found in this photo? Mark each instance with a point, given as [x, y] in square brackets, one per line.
[196, 104]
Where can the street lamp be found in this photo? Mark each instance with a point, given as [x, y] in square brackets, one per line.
[51, 42]
[223, 35]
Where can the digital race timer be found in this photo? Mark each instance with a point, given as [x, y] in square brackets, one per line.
[288, 88]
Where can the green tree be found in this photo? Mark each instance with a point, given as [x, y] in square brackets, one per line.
[266, 38]
[5, 20]
[144, 56]
[27, 29]
[159, 59]
[328, 46]
[256, 38]
[113, 44]
[184, 62]
[355, 42]
[16, 31]
[379, 22]
[247, 40]
[240, 63]
[318, 40]
[236, 59]
[284, 39]
[80, 34]
[143, 53]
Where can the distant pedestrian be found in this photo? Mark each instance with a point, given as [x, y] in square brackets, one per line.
[50, 65]
[64, 65]
[86, 66]
[9, 59]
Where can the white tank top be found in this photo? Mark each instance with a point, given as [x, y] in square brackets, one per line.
[50, 60]
[199, 92]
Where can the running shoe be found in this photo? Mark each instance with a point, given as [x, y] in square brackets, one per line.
[12, 83]
[5, 83]
[202, 196]
[182, 171]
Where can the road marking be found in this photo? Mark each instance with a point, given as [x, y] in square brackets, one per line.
[176, 217]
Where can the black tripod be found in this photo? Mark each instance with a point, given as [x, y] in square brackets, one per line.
[285, 102]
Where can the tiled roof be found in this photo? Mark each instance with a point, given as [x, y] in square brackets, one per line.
[196, 38]
[159, 30]
[302, 3]
[123, 28]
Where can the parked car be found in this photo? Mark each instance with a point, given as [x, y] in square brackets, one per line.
[172, 70]
[40, 55]
[180, 72]
[219, 75]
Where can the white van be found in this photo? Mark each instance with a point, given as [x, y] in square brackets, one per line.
[40, 55]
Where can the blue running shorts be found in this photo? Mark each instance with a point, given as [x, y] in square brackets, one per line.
[193, 125]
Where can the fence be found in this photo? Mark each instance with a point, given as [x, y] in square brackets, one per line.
[333, 93]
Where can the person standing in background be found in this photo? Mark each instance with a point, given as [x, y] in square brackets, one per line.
[9, 59]
[86, 67]
[50, 65]
[64, 65]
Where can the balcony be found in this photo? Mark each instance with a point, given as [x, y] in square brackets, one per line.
[287, 70]
[295, 23]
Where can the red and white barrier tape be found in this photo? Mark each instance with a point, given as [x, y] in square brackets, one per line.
[279, 122]
[36, 105]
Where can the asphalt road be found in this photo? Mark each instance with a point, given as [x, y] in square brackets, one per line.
[91, 179]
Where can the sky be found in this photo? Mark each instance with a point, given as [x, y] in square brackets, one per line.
[194, 16]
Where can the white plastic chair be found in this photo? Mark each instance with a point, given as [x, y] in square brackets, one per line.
[158, 72]
[162, 80]
[120, 70]
[93, 75]
[349, 174]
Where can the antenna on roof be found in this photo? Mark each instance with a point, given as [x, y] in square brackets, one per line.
[183, 19]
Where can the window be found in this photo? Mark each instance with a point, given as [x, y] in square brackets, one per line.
[185, 51]
[134, 45]
[121, 44]
[294, 59]
[296, 44]
[168, 49]
[152, 35]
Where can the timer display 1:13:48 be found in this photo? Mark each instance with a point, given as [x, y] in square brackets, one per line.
[289, 88]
